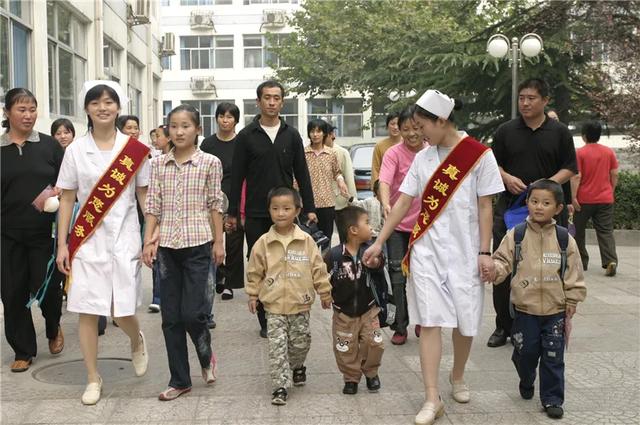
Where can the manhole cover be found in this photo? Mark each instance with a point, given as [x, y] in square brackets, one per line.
[73, 372]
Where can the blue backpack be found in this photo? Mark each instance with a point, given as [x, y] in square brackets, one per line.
[562, 233]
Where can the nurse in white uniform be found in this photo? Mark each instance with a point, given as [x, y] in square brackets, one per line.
[106, 268]
[450, 261]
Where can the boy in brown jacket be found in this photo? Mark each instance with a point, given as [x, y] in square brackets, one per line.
[285, 271]
[544, 292]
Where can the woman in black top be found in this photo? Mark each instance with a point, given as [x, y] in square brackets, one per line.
[30, 162]
[230, 275]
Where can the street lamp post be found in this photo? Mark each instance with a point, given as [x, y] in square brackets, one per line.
[499, 47]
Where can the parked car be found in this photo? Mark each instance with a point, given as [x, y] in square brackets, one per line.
[361, 156]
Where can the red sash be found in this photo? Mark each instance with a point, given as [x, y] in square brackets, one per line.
[106, 192]
[442, 185]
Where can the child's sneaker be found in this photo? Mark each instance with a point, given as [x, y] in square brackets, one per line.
[350, 388]
[554, 411]
[398, 338]
[299, 376]
[279, 397]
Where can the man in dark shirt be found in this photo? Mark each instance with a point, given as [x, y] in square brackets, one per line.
[527, 148]
[269, 153]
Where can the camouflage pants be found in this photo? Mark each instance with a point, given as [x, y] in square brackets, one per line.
[289, 340]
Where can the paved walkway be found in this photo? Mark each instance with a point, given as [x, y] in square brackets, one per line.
[602, 377]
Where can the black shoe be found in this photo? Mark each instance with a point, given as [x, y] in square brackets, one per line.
[279, 397]
[227, 294]
[219, 288]
[373, 384]
[211, 324]
[300, 376]
[350, 388]
[553, 411]
[498, 338]
[526, 393]
[263, 332]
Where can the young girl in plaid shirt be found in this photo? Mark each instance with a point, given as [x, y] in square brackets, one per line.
[185, 202]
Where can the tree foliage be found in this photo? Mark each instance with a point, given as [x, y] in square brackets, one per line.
[375, 47]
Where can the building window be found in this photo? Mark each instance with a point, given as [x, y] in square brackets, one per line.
[247, 2]
[66, 59]
[289, 111]
[134, 88]
[206, 52]
[379, 120]
[344, 114]
[15, 38]
[111, 59]
[207, 109]
[165, 2]
[166, 109]
[257, 53]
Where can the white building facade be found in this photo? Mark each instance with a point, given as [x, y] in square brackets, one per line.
[222, 54]
[52, 47]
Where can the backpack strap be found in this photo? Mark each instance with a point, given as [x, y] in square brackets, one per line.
[518, 235]
[562, 233]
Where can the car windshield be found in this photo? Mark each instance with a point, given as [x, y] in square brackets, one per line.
[362, 157]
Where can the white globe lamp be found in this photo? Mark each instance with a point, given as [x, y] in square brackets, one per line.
[498, 46]
[531, 45]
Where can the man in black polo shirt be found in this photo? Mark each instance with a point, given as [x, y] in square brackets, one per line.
[527, 148]
[269, 153]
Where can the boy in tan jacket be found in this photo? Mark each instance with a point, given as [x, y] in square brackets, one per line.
[543, 295]
[285, 271]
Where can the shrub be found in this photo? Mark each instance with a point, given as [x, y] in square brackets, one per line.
[627, 206]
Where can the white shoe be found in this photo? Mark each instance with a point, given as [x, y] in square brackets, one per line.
[429, 413]
[459, 390]
[92, 393]
[209, 374]
[139, 358]
[154, 308]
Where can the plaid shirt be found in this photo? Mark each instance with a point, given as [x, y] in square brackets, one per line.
[323, 170]
[182, 197]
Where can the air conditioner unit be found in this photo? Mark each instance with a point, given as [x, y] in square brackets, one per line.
[138, 12]
[274, 19]
[168, 44]
[203, 85]
[201, 20]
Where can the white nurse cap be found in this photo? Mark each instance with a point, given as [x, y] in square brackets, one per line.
[88, 85]
[437, 103]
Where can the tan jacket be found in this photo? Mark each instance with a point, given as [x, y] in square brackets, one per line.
[286, 278]
[537, 288]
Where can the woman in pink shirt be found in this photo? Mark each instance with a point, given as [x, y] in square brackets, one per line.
[395, 165]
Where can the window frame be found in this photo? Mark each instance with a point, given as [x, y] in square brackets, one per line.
[290, 118]
[335, 114]
[78, 57]
[212, 51]
[24, 21]
[266, 55]
[134, 87]
[207, 121]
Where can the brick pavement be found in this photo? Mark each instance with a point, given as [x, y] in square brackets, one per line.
[602, 376]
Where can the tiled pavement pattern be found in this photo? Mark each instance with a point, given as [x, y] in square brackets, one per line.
[602, 377]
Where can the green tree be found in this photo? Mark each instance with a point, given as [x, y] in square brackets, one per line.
[376, 47]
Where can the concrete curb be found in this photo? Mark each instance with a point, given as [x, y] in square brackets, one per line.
[622, 237]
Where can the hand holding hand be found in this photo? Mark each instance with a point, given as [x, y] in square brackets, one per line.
[326, 304]
[230, 223]
[372, 253]
[486, 268]
[149, 253]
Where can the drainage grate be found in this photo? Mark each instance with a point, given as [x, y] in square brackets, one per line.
[73, 372]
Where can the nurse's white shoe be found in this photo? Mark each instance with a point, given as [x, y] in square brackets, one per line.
[459, 390]
[429, 413]
[92, 393]
[139, 358]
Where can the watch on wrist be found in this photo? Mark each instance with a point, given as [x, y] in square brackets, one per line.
[484, 253]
